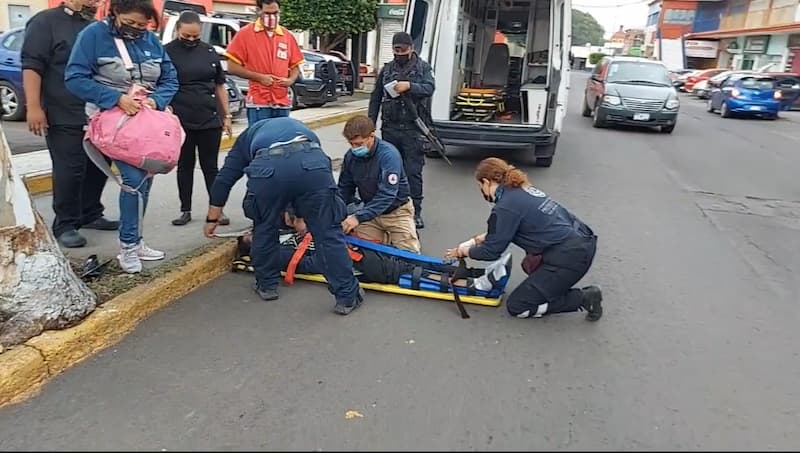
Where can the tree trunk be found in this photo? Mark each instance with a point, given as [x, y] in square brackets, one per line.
[329, 41]
[38, 290]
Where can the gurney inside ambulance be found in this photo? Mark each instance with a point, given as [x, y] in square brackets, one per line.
[502, 64]
[387, 269]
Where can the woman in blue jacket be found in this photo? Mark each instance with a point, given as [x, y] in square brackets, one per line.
[97, 74]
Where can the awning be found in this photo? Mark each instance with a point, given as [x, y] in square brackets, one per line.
[720, 34]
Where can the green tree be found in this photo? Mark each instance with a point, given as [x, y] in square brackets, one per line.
[595, 57]
[585, 28]
[333, 20]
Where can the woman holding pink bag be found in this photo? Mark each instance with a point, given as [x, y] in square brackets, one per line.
[100, 73]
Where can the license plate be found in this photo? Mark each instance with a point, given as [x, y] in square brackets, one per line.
[755, 107]
[641, 116]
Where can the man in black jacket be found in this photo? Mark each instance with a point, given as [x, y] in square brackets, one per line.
[53, 111]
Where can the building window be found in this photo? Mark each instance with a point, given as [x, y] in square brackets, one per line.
[652, 19]
[679, 16]
[738, 6]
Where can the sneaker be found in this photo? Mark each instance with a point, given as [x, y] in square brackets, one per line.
[129, 258]
[266, 294]
[72, 239]
[102, 224]
[345, 310]
[419, 223]
[145, 253]
[592, 302]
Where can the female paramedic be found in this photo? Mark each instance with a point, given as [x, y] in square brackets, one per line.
[559, 247]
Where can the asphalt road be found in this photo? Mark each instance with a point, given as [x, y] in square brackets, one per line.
[698, 348]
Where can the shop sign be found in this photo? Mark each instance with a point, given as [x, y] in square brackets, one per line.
[756, 44]
[701, 49]
[391, 11]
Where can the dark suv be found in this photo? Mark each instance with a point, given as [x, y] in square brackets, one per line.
[323, 78]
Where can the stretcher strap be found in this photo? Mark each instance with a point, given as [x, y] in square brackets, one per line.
[444, 283]
[298, 255]
[354, 255]
[416, 275]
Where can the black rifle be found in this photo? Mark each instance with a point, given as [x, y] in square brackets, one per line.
[437, 144]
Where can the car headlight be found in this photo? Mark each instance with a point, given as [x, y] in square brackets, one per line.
[307, 70]
[673, 104]
[610, 99]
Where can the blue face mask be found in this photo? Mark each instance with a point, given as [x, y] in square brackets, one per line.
[360, 151]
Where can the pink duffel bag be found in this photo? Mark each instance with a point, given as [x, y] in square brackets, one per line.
[150, 140]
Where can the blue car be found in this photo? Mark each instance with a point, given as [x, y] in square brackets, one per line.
[11, 92]
[746, 94]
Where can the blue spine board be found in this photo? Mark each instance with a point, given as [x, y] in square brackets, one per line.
[428, 262]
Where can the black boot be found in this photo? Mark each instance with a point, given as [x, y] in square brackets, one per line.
[592, 302]
[419, 223]
[185, 218]
[71, 239]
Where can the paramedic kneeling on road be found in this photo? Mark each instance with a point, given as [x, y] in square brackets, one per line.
[559, 247]
[375, 168]
[285, 164]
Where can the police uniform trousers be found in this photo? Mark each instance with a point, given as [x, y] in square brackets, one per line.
[548, 289]
[411, 144]
[298, 173]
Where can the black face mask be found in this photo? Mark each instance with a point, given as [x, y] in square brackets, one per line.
[401, 59]
[189, 43]
[88, 13]
[129, 32]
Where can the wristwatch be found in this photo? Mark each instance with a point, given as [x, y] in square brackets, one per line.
[229, 116]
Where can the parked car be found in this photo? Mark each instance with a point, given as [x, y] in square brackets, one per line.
[678, 76]
[789, 84]
[633, 91]
[704, 74]
[746, 94]
[11, 93]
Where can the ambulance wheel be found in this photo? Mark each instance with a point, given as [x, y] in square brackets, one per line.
[545, 153]
[544, 161]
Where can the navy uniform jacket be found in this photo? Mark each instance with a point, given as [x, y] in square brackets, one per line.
[379, 177]
[420, 76]
[528, 218]
[263, 134]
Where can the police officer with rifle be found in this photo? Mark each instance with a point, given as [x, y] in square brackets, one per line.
[402, 94]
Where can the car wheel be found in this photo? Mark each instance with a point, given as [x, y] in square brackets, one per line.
[587, 112]
[668, 129]
[724, 111]
[596, 120]
[13, 109]
[315, 104]
[547, 152]
[709, 106]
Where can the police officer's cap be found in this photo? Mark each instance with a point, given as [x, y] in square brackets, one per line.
[402, 39]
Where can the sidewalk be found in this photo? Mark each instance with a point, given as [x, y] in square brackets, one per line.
[36, 166]
[164, 206]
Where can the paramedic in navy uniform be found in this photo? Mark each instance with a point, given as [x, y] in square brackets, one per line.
[285, 163]
[374, 167]
[559, 246]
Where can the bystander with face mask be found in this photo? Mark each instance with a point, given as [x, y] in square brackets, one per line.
[202, 106]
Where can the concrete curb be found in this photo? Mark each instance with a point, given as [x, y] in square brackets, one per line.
[26, 368]
[42, 183]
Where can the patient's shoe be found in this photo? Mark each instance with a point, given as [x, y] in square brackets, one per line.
[496, 275]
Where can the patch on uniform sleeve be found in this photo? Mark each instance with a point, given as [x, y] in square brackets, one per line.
[492, 224]
[392, 178]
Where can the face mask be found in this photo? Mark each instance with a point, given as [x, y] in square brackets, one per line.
[189, 43]
[270, 21]
[129, 32]
[360, 151]
[401, 59]
[88, 12]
